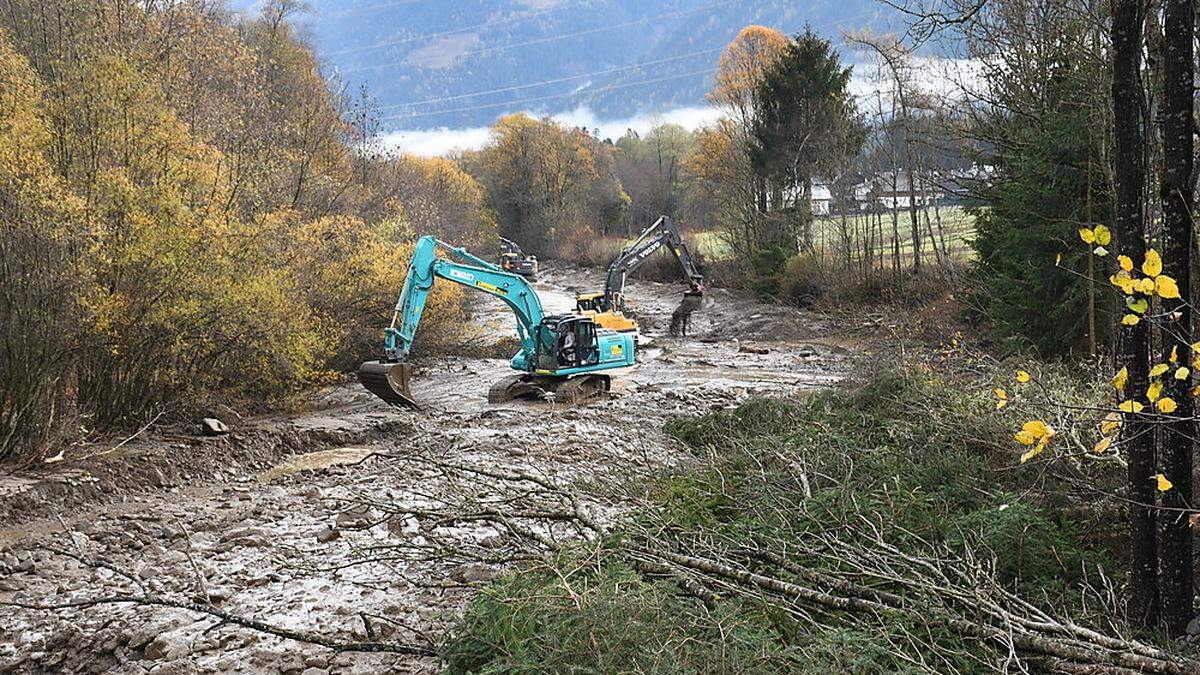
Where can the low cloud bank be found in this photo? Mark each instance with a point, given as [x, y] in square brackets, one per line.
[940, 77]
[442, 141]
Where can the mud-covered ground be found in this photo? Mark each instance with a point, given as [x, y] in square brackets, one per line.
[334, 520]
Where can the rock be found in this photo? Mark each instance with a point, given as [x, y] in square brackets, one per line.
[147, 573]
[315, 671]
[252, 537]
[291, 663]
[211, 426]
[473, 572]
[165, 646]
[1193, 627]
[750, 349]
[316, 661]
[358, 517]
[327, 534]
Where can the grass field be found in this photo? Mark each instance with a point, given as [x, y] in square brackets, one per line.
[957, 228]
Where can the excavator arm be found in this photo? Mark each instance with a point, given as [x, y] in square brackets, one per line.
[608, 307]
[480, 275]
[389, 378]
[662, 233]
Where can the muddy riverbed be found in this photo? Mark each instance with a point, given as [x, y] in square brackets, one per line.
[335, 521]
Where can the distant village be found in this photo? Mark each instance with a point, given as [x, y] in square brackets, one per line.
[891, 190]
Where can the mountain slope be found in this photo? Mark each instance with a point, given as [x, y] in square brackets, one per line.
[462, 63]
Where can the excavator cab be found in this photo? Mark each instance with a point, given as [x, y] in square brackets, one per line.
[591, 302]
[566, 341]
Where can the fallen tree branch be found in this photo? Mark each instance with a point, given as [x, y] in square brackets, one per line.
[1113, 652]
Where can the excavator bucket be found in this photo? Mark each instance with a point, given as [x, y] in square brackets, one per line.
[389, 381]
[691, 302]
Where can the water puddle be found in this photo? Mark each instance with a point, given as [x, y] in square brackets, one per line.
[314, 461]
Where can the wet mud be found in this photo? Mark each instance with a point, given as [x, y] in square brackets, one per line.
[326, 521]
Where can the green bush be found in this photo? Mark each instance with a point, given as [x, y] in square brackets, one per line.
[606, 619]
[802, 280]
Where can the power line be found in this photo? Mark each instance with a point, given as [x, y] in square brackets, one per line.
[606, 71]
[428, 36]
[370, 8]
[552, 38]
[707, 71]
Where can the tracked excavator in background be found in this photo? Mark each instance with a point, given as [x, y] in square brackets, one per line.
[514, 259]
[608, 308]
[567, 354]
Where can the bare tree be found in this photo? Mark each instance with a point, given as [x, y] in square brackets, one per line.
[1129, 172]
[1178, 240]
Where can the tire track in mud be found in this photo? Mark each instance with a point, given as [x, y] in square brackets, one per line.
[319, 545]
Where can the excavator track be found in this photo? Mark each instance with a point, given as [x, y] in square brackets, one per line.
[568, 391]
[389, 381]
[513, 387]
[582, 388]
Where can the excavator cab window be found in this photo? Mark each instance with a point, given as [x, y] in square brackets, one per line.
[591, 303]
[566, 342]
[587, 346]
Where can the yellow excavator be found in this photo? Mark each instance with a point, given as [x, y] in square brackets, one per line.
[608, 308]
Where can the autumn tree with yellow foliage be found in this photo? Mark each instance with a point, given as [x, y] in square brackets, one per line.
[185, 220]
[553, 188]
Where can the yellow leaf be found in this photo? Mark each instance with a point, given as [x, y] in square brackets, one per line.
[1194, 392]
[1131, 319]
[1174, 354]
[1103, 235]
[1158, 369]
[1131, 406]
[1152, 265]
[1032, 452]
[1001, 398]
[1166, 404]
[1087, 235]
[1100, 251]
[1196, 347]
[1154, 391]
[1022, 376]
[1058, 260]
[1166, 287]
[1163, 483]
[1145, 286]
[1182, 373]
[1100, 447]
[1037, 428]
[1122, 280]
[1125, 262]
[1112, 422]
[1120, 379]
[1137, 306]
[1025, 438]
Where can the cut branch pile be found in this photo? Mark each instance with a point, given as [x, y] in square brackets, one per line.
[865, 577]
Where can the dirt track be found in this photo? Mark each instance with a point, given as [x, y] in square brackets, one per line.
[202, 520]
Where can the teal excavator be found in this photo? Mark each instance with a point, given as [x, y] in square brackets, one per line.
[563, 354]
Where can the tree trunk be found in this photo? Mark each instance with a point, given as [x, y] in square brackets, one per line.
[1129, 172]
[1177, 446]
[914, 222]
